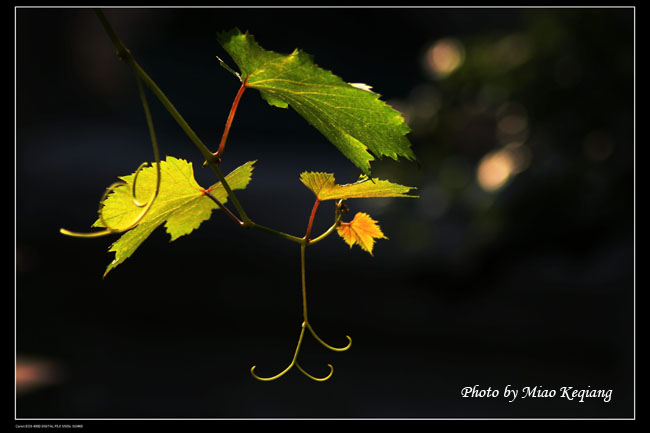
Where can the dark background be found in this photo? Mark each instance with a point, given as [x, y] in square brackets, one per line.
[528, 285]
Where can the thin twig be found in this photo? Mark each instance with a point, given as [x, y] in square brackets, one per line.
[224, 208]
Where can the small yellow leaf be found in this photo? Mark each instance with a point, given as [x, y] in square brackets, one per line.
[362, 230]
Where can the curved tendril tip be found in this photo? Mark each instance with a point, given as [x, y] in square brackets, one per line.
[294, 361]
[111, 230]
[317, 379]
[335, 349]
[272, 377]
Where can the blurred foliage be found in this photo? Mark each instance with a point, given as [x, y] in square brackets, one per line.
[523, 136]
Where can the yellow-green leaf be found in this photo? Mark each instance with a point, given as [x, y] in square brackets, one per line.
[324, 186]
[181, 204]
[362, 230]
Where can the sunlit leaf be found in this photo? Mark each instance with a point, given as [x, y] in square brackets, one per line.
[181, 204]
[324, 186]
[351, 116]
[362, 230]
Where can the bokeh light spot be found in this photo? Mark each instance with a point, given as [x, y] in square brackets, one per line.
[495, 169]
[445, 56]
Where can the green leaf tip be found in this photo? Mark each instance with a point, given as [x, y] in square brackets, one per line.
[350, 115]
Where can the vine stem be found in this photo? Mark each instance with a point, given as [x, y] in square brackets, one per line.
[302, 259]
[305, 325]
[304, 284]
[125, 54]
[228, 212]
[337, 219]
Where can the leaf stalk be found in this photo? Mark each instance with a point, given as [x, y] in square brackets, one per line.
[222, 145]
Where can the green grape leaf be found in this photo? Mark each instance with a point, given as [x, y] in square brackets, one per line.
[181, 204]
[324, 186]
[349, 115]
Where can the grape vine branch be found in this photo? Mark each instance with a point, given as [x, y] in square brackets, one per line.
[358, 122]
